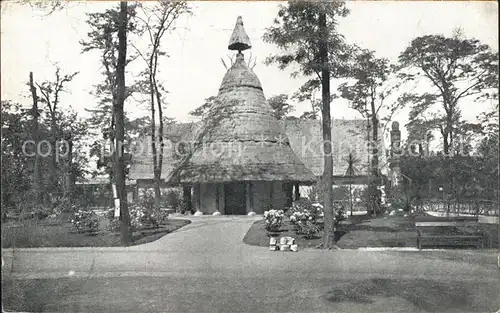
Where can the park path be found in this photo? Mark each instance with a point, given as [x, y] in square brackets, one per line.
[215, 244]
[205, 266]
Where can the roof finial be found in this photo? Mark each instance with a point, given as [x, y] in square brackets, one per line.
[239, 39]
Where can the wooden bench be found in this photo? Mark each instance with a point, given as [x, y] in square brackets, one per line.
[443, 231]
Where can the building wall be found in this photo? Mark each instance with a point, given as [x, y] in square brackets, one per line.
[262, 197]
[208, 193]
[279, 195]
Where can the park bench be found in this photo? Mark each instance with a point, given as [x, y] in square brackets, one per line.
[444, 231]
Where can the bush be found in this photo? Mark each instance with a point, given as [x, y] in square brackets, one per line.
[305, 209]
[340, 214]
[85, 221]
[62, 205]
[403, 199]
[37, 212]
[307, 228]
[139, 217]
[273, 219]
[173, 200]
[159, 218]
[114, 225]
[147, 201]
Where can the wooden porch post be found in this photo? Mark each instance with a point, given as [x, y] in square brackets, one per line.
[217, 200]
[271, 194]
[249, 198]
[288, 188]
[186, 197]
[198, 200]
[297, 192]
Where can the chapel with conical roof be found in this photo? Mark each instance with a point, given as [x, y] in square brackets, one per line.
[241, 161]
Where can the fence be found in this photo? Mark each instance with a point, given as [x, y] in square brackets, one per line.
[467, 207]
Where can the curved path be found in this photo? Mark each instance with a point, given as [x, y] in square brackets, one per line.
[205, 267]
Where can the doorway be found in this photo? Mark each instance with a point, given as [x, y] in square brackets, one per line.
[235, 198]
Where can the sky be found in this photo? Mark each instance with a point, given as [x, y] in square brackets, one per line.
[31, 40]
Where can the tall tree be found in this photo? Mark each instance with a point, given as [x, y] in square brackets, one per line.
[351, 170]
[367, 91]
[108, 35]
[37, 181]
[307, 92]
[119, 165]
[51, 91]
[456, 68]
[158, 20]
[307, 36]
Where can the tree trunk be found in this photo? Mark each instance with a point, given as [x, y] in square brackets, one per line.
[156, 171]
[120, 131]
[375, 164]
[186, 198]
[446, 145]
[160, 140]
[159, 161]
[54, 172]
[68, 170]
[37, 182]
[327, 179]
[350, 195]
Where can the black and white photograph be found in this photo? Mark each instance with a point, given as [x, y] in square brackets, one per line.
[250, 156]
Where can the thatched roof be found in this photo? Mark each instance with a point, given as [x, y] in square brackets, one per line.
[348, 136]
[305, 139]
[240, 139]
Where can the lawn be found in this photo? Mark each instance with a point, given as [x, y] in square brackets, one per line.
[361, 231]
[60, 232]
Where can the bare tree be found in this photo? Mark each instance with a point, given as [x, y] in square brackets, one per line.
[37, 182]
[158, 20]
[50, 95]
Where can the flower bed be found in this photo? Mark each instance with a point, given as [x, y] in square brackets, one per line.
[139, 218]
[273, 220]
[85, 221]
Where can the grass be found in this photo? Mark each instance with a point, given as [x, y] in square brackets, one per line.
[252, 294]
[60, 232]
[360, 231]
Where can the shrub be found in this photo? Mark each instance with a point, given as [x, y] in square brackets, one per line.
[273, 220]
[159, 218]
[85, 221]
[305, 209]
[114, 224]
[298, 217]
[340, 214]
[307, 228]
[62, 205]
[139, 218]
[403, 199]
[173, 200]
[36, 212]
[147, 201]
